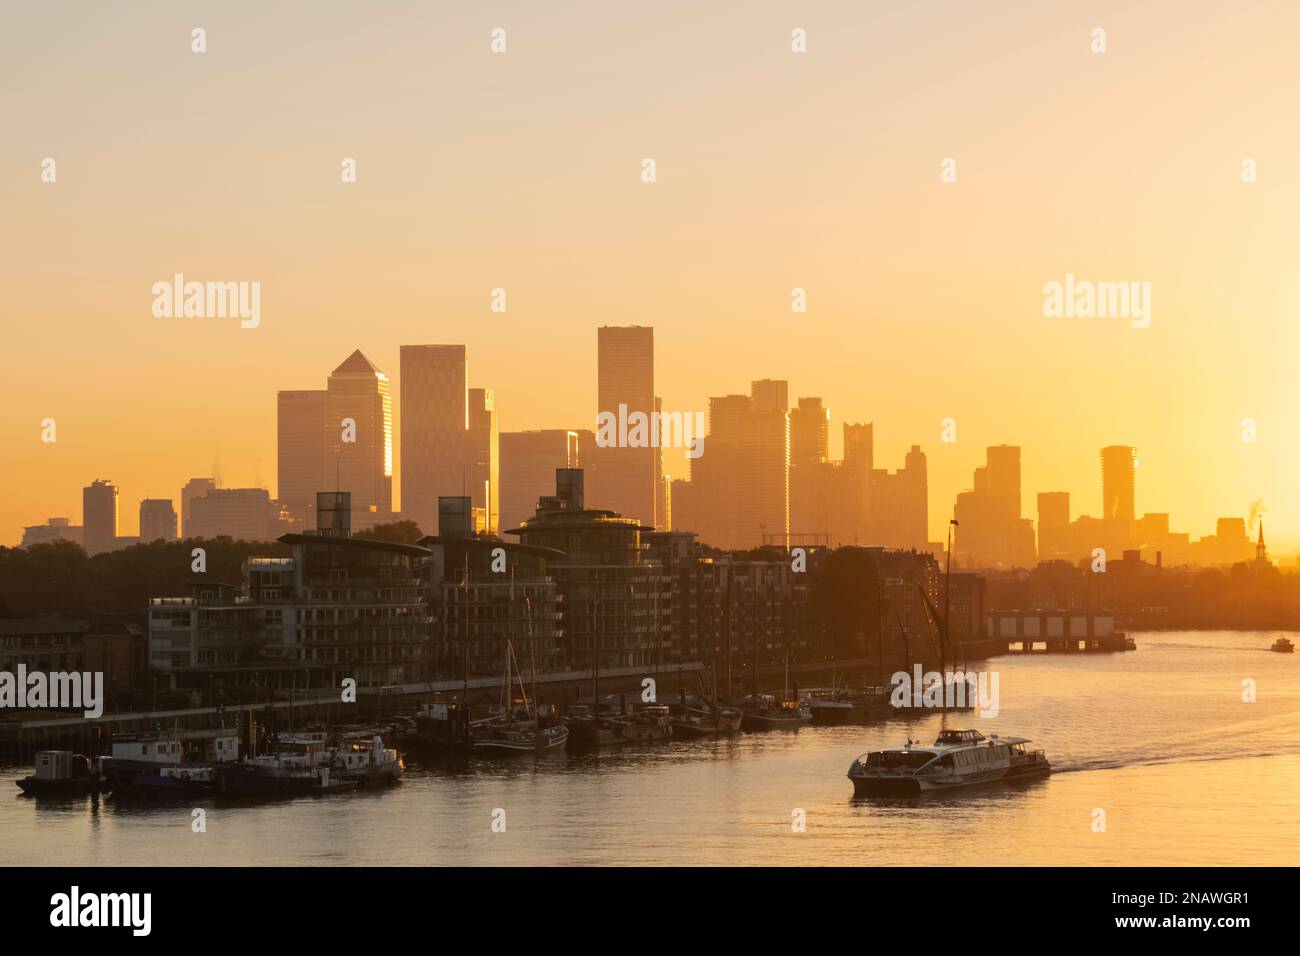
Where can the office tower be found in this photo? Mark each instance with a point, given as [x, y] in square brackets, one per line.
[1117, 482]
[54, 529]
[300, 452]
[915, 500]
[435, 429]
[157, 520]
[483, 458]
[527, 471]
[99, 516]
[853, 515]
[1053, 525]
[743, 495]
[359, 439]
[194, 488]
[992, 533]
[242, 514]
[809, 432]
[627, 478]
[1004, 478]
[770, 395]
[898, 504]
[811, 474]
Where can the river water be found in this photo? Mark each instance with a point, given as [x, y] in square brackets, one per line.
[1159, 741]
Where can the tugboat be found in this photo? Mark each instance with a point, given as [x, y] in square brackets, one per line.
[369, 763]
[958, 758]
[60, 773]
[1283, 645]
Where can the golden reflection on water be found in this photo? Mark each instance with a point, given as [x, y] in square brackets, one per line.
[1158, 740]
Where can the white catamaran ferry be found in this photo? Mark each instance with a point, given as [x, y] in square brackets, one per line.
[959, 758]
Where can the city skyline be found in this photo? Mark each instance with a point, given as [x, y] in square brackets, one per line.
[728, 498]
[763, 186]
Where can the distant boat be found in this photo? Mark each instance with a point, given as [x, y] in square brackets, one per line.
[648, 722]
[958, 758]
[846, 705]
[589, 729]
[704, 719]
[147, 754]
[1283, 645]
[767, 712]
[521, 738]
[280, 774]
[60, 773]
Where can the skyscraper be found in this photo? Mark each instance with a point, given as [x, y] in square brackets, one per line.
[359, 439]
[992, 532]
[743, 493]
[1004, 478]
[435, 429]
[527, 471]
[157, 520]
[627, 479]
[99, 516]
[243, 514]
[300, 452]
[1053, 525]
[809, 432]
[483, 458]
[811, 473]
[1117, 498]
[194, 488]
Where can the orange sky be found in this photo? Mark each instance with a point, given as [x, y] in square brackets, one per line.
[775, 170]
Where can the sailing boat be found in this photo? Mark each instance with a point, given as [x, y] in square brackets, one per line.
[588, 726]
[505, 735]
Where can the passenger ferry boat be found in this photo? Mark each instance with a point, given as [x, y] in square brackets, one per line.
[1283, 645]
[958, 758]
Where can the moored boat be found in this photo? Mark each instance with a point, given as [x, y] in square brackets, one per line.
[521, 738]
[367, 762]
[701, 717]
[148, 753]
[958, 758]
[768, 712]
[845, 705]
[589, 730]
[60, 773]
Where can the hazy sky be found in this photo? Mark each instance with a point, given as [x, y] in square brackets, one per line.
[775, 170]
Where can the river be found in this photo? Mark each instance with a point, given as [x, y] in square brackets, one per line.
[1159, 741]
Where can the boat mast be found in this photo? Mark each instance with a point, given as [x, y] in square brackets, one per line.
[595, 656]
[947, 604]
[465, 626]
[726, 630]
[532, 658]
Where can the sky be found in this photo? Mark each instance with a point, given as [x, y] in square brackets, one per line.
[775, 170]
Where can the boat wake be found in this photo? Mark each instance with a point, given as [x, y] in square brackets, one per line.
[1119, 763]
